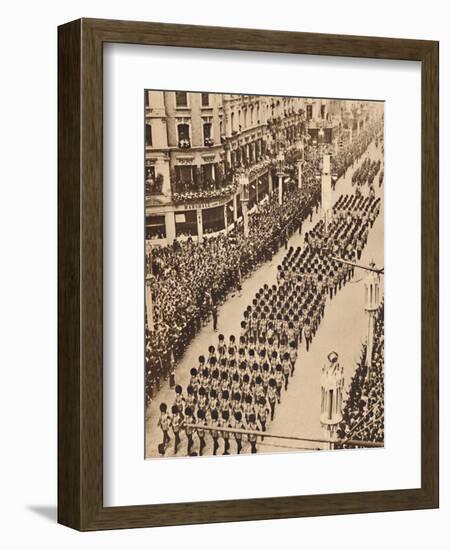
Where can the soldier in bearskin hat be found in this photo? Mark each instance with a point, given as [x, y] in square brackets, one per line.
[177, 422]
[164, 423]
[189, 430]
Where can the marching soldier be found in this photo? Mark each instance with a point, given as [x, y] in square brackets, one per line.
[226, 435]
[215, 432]
[189, 430]
[272, 396]
[164, 424]
[201, 431]
[252, 437]
[177, 421]
[238, 425]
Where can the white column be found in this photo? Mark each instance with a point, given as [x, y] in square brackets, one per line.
[300, 174]
[245, 217]
[269, 173]
[369, 351]
[326, 190]
[235, 212]
[280, 189]
[225, 217]
[170, 227]
[148, 302]
[162, 167]
[200, 225]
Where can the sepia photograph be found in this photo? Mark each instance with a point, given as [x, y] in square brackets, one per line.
[264, 274]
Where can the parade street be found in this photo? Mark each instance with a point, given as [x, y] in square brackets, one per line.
[343, 330]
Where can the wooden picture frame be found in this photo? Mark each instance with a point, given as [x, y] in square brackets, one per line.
[80, 272]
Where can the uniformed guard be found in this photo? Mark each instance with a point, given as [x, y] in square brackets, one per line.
[226, 435]
[238, 425]
[215, 432]
[252, 437]
[272, 396]
[201, 431]
[164, 424]
[189, 430]
[262, 411]
[279, 379]
[177, 421]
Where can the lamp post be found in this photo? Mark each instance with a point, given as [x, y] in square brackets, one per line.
[244, 186]
[371, 305]
[280, 175]
[332, 383]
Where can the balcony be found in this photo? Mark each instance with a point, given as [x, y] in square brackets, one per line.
[203, 189]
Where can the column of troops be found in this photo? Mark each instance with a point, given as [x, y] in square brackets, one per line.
[240, 382]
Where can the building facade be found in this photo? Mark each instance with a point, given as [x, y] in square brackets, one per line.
[196, 145]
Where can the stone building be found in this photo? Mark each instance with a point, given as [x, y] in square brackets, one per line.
[197, 143]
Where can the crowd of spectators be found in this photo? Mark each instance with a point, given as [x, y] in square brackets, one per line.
[363, 413]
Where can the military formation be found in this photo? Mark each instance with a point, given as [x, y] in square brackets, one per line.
[235, 389]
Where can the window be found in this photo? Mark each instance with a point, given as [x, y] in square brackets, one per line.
[148, 135]
[185, 173]
[181, 99]
[150, 172]
[183, 135]
[207, 138]
[207, 172]
[205, 100]
[322, 111]
[147, 98]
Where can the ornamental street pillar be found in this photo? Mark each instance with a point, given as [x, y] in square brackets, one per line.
[244, 186]
[270, 180]
[300, 173]
[280, 188]
[245, 217]
[326, 190]
[199, 225]
[235, 210]
[332, 384]
[371, 305]
[170, 227]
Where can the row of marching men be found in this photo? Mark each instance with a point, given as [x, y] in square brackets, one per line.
[233, 387]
